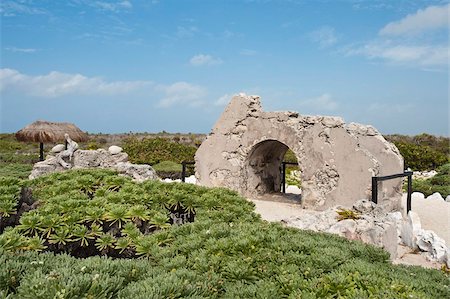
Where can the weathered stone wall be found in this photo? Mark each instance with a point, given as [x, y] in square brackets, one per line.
[246, 147]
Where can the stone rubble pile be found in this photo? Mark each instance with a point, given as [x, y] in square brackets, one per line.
[373, 226]
[113, 158]
[377, 227]
[423, 175]
[414, 236]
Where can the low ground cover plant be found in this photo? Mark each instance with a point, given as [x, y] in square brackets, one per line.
[226, 252]
[439, 183]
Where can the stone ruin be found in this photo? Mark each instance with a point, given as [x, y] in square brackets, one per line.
[246, 147]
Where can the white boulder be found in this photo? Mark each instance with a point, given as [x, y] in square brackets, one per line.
[410, 229]
[435, 196]
[447, 199]
[58, 148]
[114, 149]
[429, 242]
[417, 196]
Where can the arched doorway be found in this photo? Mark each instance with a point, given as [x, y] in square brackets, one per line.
[263, 167]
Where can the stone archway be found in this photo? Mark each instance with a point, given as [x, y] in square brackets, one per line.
[337, 159]
[263, 166]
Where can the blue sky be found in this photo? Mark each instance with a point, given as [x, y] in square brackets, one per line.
[120, 66]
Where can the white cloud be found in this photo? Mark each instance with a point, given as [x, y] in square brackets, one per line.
[403, 53]
[395, 44]
[322, 102]
[324, 36]
[22, 50]
[13, 8]
[58, 85]
[430, 18]
[181, 93]
[202, 59]
[113, 6]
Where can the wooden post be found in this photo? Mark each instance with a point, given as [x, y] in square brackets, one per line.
[41, 151]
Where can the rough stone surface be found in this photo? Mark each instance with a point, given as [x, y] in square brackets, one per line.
[429, 242]
[410, 229]
[246, 146]
[435, 196]
[372, 228]
[114, 149]
[58, 148]
[138, 172]
[96, 159]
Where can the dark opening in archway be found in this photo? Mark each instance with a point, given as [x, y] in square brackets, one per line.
[264, 168]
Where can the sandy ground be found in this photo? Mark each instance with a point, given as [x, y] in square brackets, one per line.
[434, 216]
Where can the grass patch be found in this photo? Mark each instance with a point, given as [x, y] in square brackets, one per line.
[227, 252]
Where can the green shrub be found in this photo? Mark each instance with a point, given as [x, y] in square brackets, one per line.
[439, 183]
[167, 166]
[227, 252]
[16, 170]
[421, 157]
[155, 150]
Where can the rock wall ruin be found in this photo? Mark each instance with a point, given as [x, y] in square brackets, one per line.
[246, 146]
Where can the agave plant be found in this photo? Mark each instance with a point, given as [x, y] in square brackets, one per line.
[104, 242]
[7, 207]
[146, 246]
[95, 231]
[81, 233]
[61, 236]
[12, 240]
[30, 223]
[35, 244]
[117, 214]
[160, 221]
[94, 215]
[49, 224]
[122, 244]
[130, 231]
[138, 213]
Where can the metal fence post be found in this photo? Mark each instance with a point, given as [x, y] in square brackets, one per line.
[408, 199]
[183, 171]
[374, 189]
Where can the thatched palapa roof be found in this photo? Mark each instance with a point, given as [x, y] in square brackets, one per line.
[45, 131]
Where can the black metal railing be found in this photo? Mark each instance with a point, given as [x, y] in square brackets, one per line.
[283, 174]
[377, 179]
[183, 169]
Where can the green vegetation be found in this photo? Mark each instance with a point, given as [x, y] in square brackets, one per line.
[422, 152]
[439, 183]
[344, 214]
[226, 252]
[155, 150]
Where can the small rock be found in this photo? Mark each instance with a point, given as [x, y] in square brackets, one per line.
[410, 229]
[364, 206]
[114, 149]
[191, 180]
[58, 148]
[435, 196]
[428, 241]
[417, 195]
[447, 199]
